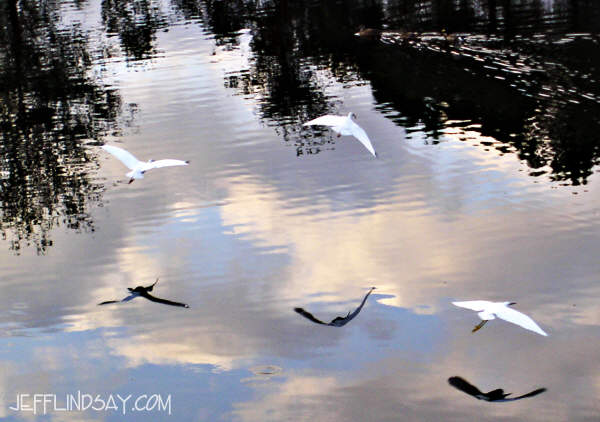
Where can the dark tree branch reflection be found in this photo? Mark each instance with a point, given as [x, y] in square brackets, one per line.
[48, 105]
[136, 23]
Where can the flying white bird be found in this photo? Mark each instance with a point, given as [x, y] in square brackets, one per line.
[490, 310]
[344, 125]
[137, 167]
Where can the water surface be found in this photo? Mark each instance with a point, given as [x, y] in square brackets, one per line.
[486, 187]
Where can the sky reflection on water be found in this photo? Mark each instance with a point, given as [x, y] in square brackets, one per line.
[250, 230]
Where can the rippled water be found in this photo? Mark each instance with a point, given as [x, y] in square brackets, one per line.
[485, 187]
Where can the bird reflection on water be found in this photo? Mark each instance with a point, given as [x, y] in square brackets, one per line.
[337, 321]
[497, 395]
[143, 292]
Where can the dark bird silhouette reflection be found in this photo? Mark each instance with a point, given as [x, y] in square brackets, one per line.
[337, 321]
[143, 292]
[497, 395]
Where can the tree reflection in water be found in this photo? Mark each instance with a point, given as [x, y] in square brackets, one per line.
[48, 107]
[498, 81]
[136, 23]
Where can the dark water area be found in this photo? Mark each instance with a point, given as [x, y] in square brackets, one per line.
[521, 75]
[485, 115]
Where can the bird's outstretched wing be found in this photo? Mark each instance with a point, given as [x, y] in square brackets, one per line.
[130, 297]
[360, 134]
[341, 321]
[327, 120]
[464, 386]
[163, 301]
[125, 299]
[475, 305]
[519, 318]
[124, 156]
[164, 163]
[309, 316]
[530, 394]
[500, 396]
[109, 301]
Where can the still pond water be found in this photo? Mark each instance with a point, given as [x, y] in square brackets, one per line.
[486, 186]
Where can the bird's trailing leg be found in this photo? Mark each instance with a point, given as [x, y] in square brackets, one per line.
[478, 326]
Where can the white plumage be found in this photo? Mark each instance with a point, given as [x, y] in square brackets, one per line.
[137, 167]
[489, 310]
[344, 125]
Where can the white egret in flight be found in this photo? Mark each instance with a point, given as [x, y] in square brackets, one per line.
[137, 167]
[490, 310]
[344, 125]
